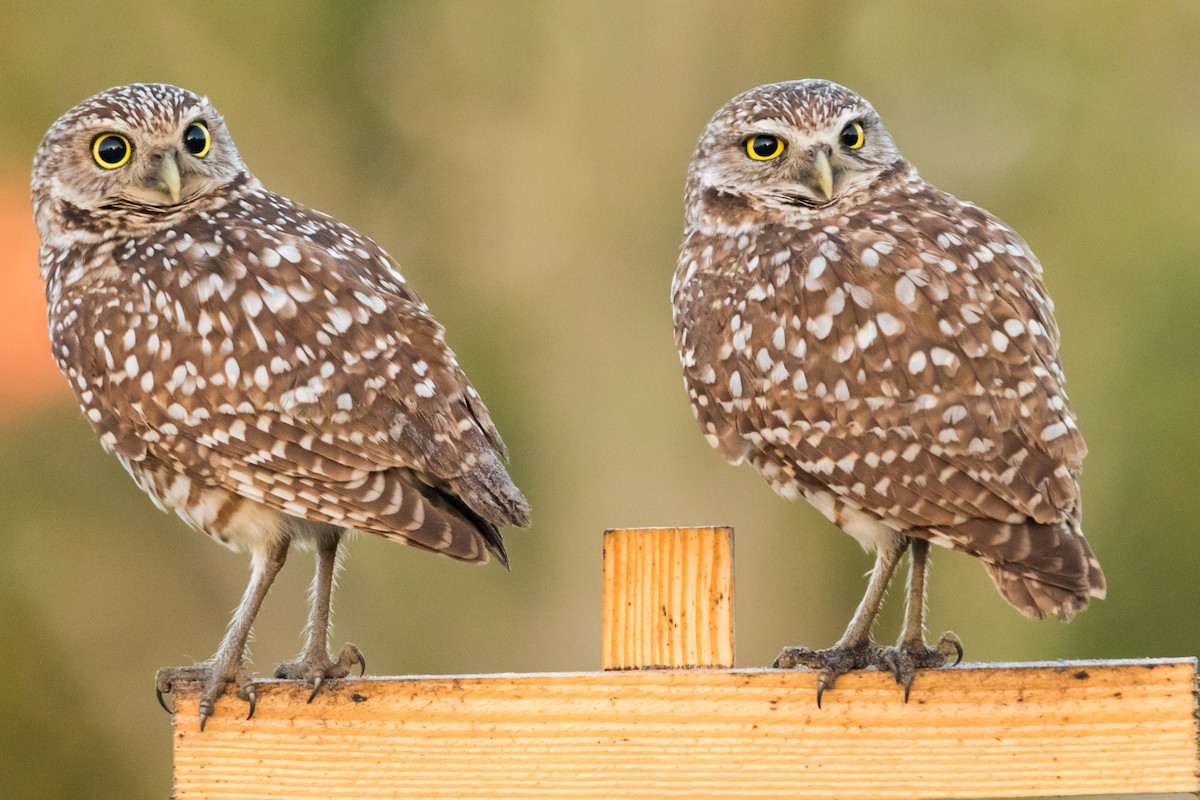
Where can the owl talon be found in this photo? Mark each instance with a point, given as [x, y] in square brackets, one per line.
[350, 656]
[314, 670]
[214, 680]
[906, 658]
[951, 640]
[830, 663]
[948, 643]
[159, 694]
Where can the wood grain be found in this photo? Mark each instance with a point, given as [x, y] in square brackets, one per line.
[668, 598]
[1072, 728]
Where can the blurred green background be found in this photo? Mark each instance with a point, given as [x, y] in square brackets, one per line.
[524, 162]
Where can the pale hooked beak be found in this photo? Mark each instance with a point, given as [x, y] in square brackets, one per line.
[167, 178]
[823, 173]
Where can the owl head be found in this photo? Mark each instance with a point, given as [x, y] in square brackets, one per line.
[792, 145]
[131, 154]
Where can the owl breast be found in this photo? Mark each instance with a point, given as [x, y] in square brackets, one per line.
[784, 328]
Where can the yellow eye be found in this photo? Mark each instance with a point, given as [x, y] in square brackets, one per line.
[764, 147]
[111, 150]
[852, 136]
[197, 139]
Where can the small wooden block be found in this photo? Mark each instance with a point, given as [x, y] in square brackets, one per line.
[1015, 730]
[668, 598]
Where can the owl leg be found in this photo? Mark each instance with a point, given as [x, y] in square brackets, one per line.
[228, 664]
[855, 650]
[314, 664]
[911, 652]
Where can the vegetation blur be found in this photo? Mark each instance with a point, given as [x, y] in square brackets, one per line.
[525, 162]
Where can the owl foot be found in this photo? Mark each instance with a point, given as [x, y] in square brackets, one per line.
[314, 669]
[831, 662]
[214, 679]
[907, 657]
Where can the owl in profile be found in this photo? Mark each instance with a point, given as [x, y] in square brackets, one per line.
[259, 368]
[884, 350]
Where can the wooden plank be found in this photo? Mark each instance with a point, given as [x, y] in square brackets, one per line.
[668, 598]
[1070, 728]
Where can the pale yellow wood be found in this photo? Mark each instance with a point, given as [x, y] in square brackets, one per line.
[1081, 728]
[1072, 728]
[667, 598]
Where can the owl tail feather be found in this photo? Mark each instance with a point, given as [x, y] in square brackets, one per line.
[485, 529]
[1035, 598]
[1043, 569]
[1061, 593]
[449, 526]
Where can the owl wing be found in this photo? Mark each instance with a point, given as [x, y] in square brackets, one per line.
[913, 375]
[969, 440]
[974, 412]
[973, 346]
[303, 373]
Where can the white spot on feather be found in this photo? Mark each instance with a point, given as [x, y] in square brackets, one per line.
[1052, 432]
[735, 384]
[916, 362]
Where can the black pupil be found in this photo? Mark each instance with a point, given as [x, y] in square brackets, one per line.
[112, 149]
[850, 135]
[765, 146]
[195, 139]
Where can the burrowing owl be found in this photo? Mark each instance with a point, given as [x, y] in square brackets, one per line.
[259, 368]
[882, 349]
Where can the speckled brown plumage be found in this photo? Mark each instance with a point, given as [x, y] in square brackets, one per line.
[259, 368]
[883, 349]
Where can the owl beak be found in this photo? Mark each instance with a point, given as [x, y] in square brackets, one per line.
[823, 173]
[166, 177]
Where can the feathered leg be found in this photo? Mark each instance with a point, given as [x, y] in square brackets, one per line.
[228, 665]
[911, 652]
[856, 649]
[314, 664]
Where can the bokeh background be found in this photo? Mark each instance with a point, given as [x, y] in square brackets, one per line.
[524, 161]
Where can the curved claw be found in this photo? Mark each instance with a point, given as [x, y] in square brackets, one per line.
[205, 710]
[252, 697]
[351, 655]
[158, 693]
[830, 663]
[952, 639]
[316, 687]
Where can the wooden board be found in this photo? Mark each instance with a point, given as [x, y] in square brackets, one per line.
[1067, 728]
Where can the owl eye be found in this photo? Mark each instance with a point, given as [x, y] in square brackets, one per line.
[111, 150]
[197, 139]
[852, 136]
[764, 147]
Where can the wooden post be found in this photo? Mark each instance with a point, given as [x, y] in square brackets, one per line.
[668, 598]
[1011, 730]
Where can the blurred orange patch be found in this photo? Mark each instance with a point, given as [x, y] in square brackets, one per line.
[27, 371]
